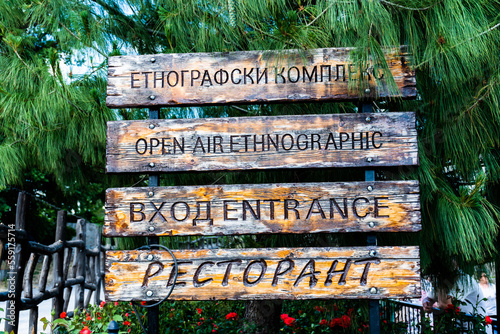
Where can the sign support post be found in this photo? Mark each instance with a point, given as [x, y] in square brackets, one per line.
[154, 181]
[372, 241]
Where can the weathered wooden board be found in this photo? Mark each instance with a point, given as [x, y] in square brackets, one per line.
[303, 141]
[297, 273]
[251, 77]
[391, 206]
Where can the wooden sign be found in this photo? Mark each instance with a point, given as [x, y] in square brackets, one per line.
[252, 77]
[305, 141]
[391, 206]
[297, 273]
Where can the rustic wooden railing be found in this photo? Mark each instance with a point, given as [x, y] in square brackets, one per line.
[74, 266]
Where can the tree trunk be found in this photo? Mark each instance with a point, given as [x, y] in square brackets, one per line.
[265, 314]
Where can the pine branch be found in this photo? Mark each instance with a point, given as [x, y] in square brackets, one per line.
[78, 38]
[461, 43]
[409, 8]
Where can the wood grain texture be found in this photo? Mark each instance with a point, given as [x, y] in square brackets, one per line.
[262, 274]
[303, 141]
[251, 77]
[391, 206]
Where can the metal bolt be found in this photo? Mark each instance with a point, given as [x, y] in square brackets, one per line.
[149, 293]
[373, 252]
[149, 257]
[152, 97]
[151, 194]
[153, 60]
[370, 159]
[373, 290]
[151, 126]
[368, 119]
[369, 188]
[367, 91]
[151, 228]
[151, 164]
[371, 224]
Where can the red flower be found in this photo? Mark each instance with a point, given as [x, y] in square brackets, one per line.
[323, 322]
[101, 305]
[488, 320]
[345, 321]
[289, 321]
[98, 318]
[127, 323]
[214, 331]
[284, 316]
[116, 303]
[143, 303]
[231, 316]
[198, 323]
[126, 314]
[85, 330]
[88, 318]
[335, 322]
[199, 310]
[63, 315]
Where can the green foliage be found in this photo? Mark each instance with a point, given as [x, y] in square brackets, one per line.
[95, 319]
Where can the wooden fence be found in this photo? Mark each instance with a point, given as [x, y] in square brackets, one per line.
[74, 266]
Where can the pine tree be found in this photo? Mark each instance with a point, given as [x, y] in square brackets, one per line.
[454, 45]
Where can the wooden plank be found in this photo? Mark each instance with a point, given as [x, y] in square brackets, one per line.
[391, 206]
[297, 273]
[303, 141]
[252, 77]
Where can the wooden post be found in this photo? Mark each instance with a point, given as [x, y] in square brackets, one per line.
[98, 277]
[28, 291]
[154, 181]
[372, 241]
[81, 234]
[58, 301]
[17, 269]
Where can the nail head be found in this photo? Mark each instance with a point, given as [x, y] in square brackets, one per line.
[151, 228]
[151, 126]
[151, 194]
[153, 60]
[369, 188]
[150, 257]
[368, 119]
[152, 97]
[373, 290]
[370, 159]
[151, 164]
[371, 224]
[149, 293]
[373, 252]
[367, 91]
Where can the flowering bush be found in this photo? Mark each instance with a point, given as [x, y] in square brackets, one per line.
[452, 320]
[95, 319]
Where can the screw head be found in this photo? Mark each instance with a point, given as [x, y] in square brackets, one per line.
[151, 126]
[373, 290]
[149, 257]
[151, 194]
[368, 119]
[151, 164]
[151, 228]
[152, 97]
[369, 188]
[373, 252]
[370, 159]
[149, 293]
[371, 224]
[367, 91]
[153, 60]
